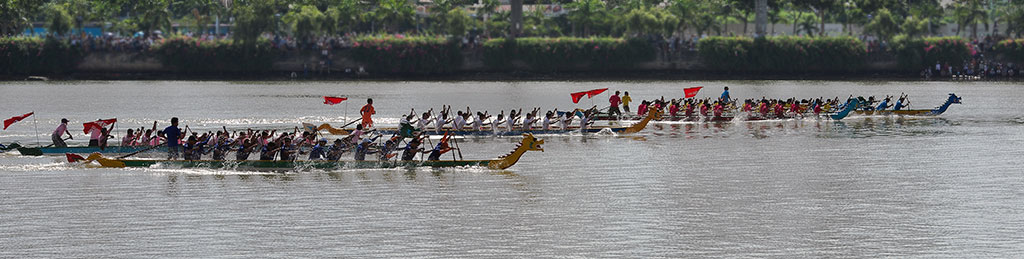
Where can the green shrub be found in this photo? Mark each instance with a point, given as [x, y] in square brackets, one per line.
[32, 55]
[782, 54]
[916, 53]
[567, 53]
[1011, 49]
[415, 55]
[189, 55]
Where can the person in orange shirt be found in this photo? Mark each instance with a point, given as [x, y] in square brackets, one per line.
[367, 111]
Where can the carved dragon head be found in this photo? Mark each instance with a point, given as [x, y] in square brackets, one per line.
[954, 99]
[531, 143]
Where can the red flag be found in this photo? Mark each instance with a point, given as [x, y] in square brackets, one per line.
[577, 96]
[97, 124]
[73, 158]
[14, 119]
[692, 91]
[594, 92]
[334, 100]
[590, 94]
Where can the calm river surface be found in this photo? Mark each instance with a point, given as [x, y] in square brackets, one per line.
[948, 186]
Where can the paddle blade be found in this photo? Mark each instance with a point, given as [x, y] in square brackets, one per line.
[73, 157]
[692, 91]
[330, 100]
[12, 120]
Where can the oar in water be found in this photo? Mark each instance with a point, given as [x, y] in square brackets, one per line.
[140, 151]
[50, 145]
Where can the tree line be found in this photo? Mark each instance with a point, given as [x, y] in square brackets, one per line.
[307, 19]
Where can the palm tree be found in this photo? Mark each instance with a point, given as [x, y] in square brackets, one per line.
[394, 13]
[970, 13]
[586, 13]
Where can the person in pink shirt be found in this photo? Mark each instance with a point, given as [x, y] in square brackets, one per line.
[613, 109]
[58, 134]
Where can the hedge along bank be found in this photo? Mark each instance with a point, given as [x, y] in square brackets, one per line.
[189, 55]
[567, 54]
[408, 55]
[1010, 50]
[33, 55]
[914, 54]
[782, 54]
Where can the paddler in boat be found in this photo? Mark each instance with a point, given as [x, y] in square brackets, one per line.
[96, 133]
[269, 151]
[335, 151]
[441, 148]
[387, 151]
[478, 122]
[356, 134]
[513, 117]
[549, 118]
[58, 134]
[719, 108]
[530, 119]
[221, 148]
[365, 147]
[442, 119]
[885, 104]
[319, 150]
[901, 103]
[405, 127]
[104, 136]
[587, 118]
[565, 120]
[367, 113]
[288, 149]
[495, 123]
[459, 122]
[412, 148]
[424, 121]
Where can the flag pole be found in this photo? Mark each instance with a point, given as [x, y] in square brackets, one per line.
[35, 124]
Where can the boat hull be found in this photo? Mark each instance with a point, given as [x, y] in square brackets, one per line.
[36, 151]
[297, 165]
[470, 132]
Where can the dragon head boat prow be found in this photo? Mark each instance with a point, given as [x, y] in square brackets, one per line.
[529, 143]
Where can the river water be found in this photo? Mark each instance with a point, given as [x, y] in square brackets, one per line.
[947, 186]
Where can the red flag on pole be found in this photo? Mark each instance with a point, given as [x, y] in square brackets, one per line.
[330, 100]
[590, 94]
[97, 124]
[14, 119]
[577, 96]
[692, 91]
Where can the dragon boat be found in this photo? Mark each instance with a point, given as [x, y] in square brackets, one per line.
[39, 151]
[738, 116]
[953, 99]
[634, 128]
[528, 143]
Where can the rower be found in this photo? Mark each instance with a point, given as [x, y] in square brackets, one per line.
[58, 134]
[356, 134]
[221, 148]
[288, 150]
[104, 136]
[424, 121]
[885, 104]
[478, 122]
[367, 112]
[460, 120]
[899, 104]
[335, 151]
[269, 151]
[441, 148]
[718, 109]
[497, 122]
[248, 145]
[565, 122]
[389, 146]
[513, 117]
[546, 124]
[412, 148]
[364, 148]
[129, 138]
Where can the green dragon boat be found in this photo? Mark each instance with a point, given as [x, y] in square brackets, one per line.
[528, 143]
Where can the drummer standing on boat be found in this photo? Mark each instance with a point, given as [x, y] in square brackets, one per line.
[613, 110]
[625, 101]
[367, 111]
[62, 129]
[173, 134]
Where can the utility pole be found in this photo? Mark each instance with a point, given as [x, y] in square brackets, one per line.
[761, 18]
[517, 19]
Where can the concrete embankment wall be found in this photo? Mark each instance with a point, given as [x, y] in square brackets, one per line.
[119, 62]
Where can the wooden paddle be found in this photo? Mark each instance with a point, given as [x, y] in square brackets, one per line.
[140, 151]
